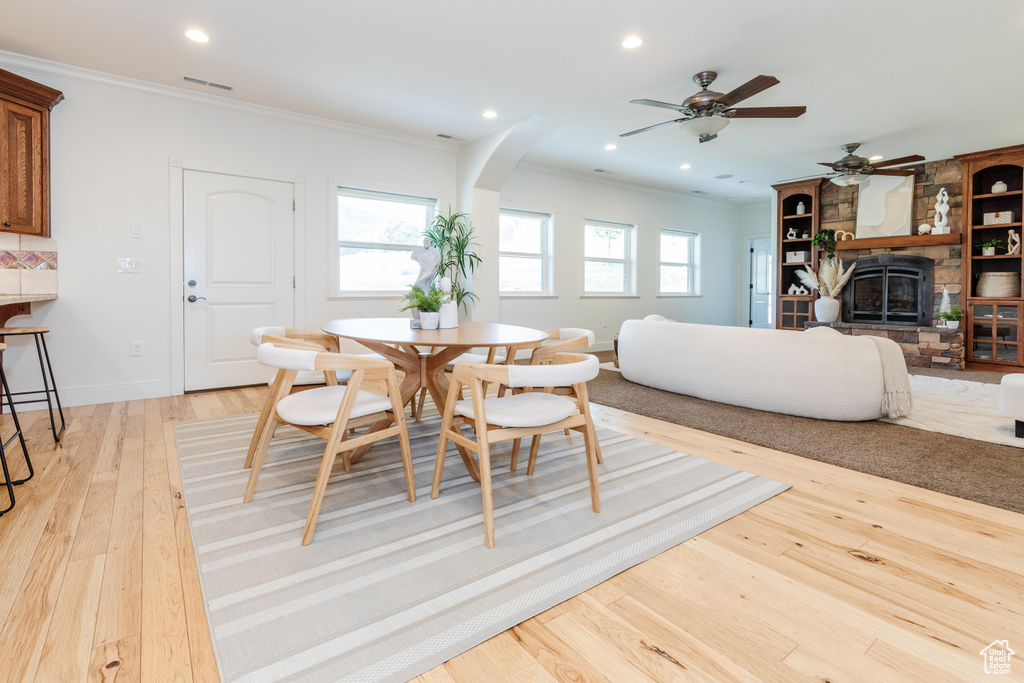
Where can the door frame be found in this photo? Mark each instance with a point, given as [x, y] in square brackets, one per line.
[176, 210]
[748, 244]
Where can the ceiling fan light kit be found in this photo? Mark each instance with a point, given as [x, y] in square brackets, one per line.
[707, 112]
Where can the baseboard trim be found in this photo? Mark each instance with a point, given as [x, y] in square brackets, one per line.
[110, 393]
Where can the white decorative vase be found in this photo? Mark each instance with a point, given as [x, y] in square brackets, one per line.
[826, 310]
[952, 324]
[801, 209]
[429, 320]
[998, 187]
[449, 315]
[988, 251]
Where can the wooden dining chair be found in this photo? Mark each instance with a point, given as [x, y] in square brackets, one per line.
[313, 340]
[330, 411]
[530, 413]
[565, 339]
[491, 357]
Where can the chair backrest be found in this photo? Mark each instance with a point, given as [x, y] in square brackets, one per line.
[300, 356]
[566, 370]
[274, 333]
[574, 332]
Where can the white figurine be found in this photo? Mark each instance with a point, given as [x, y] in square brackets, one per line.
[1013, 243]
[924, 229]
[798, 289]
[791, 235]
[941, 209]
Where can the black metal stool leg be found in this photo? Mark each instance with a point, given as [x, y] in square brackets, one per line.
[4, 444]
[47, 384]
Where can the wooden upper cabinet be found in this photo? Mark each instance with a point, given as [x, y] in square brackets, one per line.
[25, 154]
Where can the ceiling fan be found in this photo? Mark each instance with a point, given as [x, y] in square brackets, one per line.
[708, 112]
[853, 169]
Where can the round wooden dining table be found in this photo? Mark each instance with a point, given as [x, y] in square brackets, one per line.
[423, 354]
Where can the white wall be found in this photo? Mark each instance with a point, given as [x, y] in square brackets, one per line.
[111, 150]
[114, 147]
[571, 198]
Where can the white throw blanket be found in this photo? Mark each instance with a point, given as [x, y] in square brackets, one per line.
[897, 400]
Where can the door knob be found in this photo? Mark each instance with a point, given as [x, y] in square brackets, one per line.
[7, 224]
[192, 298]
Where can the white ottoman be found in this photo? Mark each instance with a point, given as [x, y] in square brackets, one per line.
[1011, 401]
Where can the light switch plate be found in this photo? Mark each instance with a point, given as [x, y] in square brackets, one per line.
[129, 265]
[136, 231]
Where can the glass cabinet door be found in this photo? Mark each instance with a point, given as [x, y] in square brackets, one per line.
[994, 332]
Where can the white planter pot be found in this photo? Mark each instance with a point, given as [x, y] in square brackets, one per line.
[826, 310]
[988, 251]
[429, 320]
[952, 324]
[449, 315]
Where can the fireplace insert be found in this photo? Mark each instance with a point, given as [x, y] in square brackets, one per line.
[890, 289]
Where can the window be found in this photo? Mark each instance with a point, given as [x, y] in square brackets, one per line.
[524, 257]
[608, 258]
[679, 262]
[377, 233]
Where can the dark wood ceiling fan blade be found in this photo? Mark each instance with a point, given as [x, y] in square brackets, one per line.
[767, 112]
[891, 171]
[663, 105]
[748, 89]
[897, 162]
[657, 125]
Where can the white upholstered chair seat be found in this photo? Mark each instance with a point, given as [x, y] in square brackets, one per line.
[320, 406]
[531, 409]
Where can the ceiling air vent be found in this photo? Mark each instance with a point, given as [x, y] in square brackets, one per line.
[445, 136]
[200, 81]
[601, 170]
[699, 192]
[723, 176]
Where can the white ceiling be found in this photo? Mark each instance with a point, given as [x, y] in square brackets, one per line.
[931, 77]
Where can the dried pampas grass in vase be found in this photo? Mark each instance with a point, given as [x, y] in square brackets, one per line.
[829, 281]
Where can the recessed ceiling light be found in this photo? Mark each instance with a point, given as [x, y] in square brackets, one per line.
[877, 157]
[632, 41]
[610, 147]
[685, 167]
[197, 35]
[490, 114]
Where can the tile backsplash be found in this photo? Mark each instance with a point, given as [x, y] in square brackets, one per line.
[28, 264]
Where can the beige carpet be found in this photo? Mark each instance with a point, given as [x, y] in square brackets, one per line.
[389, 589]
[988, 473]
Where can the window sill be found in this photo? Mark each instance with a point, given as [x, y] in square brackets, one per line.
[527, 296]
[679, 296]
[380, 296]
[609, 296]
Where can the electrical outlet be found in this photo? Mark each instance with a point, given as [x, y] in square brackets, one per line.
[604, 322]
[137, 347]
[137, 231]
[129, 265]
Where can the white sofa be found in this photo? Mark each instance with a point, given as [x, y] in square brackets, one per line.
[819, 373]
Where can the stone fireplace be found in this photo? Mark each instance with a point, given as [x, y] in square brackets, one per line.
[890, 289]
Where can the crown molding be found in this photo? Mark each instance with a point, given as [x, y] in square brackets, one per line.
[34, 66]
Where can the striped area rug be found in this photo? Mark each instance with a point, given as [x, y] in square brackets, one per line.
[389, 589]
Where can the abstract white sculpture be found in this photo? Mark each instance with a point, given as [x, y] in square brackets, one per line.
[1013, 243]
[946, 306]
[941, 209]
[798, 289]
[791, 234]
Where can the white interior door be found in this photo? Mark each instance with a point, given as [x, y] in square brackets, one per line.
[760, 283]
[239, 265]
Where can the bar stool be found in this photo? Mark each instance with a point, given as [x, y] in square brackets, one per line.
[8, 482]
[49, 385]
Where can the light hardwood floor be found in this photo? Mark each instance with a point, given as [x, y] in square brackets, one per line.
[843, 577]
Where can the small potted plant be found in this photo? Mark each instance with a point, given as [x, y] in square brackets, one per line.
[826, 240]
[951, 317]
[427, 303]
[989, 248]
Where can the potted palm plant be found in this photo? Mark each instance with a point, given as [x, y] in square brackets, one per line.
[452, 235]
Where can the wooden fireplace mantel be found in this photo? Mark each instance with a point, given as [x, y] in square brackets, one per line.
[902, 241]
